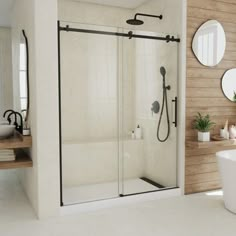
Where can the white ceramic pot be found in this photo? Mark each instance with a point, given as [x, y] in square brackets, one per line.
[222, 133]
[232, 132]
[203, 136]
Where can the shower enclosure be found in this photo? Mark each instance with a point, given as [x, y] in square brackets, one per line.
[109, 79]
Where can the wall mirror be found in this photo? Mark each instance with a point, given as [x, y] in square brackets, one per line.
[209, 43]
[229, 84]
[24, 76]
[14, 72]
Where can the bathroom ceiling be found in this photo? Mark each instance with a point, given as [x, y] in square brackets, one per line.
[117, 3]
[5, 12]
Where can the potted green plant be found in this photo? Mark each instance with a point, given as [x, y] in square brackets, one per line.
[203, 124]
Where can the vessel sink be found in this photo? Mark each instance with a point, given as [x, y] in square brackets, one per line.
[6, 130]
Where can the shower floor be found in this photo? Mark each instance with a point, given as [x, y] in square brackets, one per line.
[87, 193]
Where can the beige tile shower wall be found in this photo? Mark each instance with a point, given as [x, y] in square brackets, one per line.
[87, 13]
[97, 162]
[6, 83]
[172, 16]
[89, 86]
[90, 71]
[161, 160]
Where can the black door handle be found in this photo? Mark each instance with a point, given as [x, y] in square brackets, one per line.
[175, 122]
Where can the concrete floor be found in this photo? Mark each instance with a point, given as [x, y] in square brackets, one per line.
[194, 215]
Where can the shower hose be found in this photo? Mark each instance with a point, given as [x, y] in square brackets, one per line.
[164, 105]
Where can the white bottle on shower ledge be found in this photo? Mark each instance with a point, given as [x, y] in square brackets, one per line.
[133, 135]
[138, 132]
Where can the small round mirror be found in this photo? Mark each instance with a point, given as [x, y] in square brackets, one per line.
[229, 84]
[209, 43]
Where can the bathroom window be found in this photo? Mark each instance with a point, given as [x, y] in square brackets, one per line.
[22, 77]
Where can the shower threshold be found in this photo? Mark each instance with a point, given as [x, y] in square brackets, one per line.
[93, 192]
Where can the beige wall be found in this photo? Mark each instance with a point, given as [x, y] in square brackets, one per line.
[41, 183]
[23, 18]
[6, 83]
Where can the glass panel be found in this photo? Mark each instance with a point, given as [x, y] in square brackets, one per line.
[89, 103]
[148, 164]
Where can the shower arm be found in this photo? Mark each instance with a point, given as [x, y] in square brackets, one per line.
[142, 14]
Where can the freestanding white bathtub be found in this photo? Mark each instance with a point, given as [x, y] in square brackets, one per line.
[227, 166]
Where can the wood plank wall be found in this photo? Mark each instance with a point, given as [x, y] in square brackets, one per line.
[204, 91]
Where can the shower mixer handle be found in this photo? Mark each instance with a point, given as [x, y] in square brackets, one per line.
[155, 107]
[168, 87]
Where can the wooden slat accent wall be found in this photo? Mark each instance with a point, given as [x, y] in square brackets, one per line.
[204, 91]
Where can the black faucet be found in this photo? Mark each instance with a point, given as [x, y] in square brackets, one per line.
[8, 118]
[19, 128]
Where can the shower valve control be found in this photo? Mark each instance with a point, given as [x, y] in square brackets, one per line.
[168, 87]
[155, 107]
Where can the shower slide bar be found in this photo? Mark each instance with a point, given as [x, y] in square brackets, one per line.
[129, 35]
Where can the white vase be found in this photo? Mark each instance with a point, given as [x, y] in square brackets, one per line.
[232, 132]
[222, 133]
[203, 136]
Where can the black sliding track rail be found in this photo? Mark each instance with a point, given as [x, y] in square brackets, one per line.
[129, 35]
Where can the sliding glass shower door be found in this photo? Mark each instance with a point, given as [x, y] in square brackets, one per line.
[112, 113]
[89, 115]
[148, 164]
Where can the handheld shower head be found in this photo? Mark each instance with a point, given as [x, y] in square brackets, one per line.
[164, 106]
[163, 71]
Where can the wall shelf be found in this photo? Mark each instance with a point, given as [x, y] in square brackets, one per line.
[18, 143]
[211, 144]
[22, 161]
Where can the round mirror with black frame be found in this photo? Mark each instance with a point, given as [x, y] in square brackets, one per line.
[209, 43]
[228, 84]
[24, 77]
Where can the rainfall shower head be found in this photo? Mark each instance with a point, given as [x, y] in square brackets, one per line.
[163, 71]
[136, 21]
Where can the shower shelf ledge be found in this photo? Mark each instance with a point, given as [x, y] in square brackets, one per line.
[101, 140]
[210, 144]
